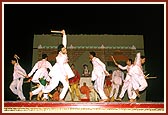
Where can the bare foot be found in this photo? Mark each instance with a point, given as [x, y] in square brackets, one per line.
[61, 100]
[30, 95]
[40, 94]
[118, 99]
[112, 99]
[137, 93]
[44, 99]
[38, 98]
[104, 100]
[132, 100]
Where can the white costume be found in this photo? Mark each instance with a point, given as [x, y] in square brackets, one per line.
[98, 76]
[16, 85]
[127, 82]
[117, 78]
[137, 75]
[59, 72]
[40, 69]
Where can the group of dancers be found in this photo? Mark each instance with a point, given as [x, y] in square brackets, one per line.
[61, 72]
[134, 81]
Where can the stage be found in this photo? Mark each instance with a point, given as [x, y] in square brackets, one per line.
[82, 107]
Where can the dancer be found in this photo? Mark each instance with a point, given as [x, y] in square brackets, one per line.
[18, 75]
[138, 78]
[40, 72]
[117, 79]
[61, 71]
[98, 75]
[127, 85]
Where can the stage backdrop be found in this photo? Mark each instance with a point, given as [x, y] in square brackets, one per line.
[121, 47]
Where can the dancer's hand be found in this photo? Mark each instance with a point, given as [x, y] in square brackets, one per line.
[106, 73]
[114, 61]
[16, 56]
[26, 76]
[63, 32]
[66, 78]
[29, 80]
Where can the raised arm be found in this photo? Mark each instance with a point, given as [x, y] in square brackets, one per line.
[138, 59]
[114, 61]
[118, 65]
[16, 57]
[64, 38]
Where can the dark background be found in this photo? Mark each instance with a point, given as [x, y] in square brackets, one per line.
[22, 21]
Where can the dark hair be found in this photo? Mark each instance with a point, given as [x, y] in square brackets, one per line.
[142, 57]
[84, 83]
[14, 59]
[44, 56]
[59, 48]
[110, 71]
[85, 65]
[92, 53]
[130, 60]
[73, 65]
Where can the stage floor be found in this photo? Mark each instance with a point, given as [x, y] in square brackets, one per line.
[83, 107]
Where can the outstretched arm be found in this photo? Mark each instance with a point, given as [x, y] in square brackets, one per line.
[64, 38]
[16, 57]
[137, 59]
[114, 61]
[118, 65]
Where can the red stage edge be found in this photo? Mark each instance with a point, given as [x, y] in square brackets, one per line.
[83, 107]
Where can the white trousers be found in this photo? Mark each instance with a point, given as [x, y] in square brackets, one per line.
[16, 88]
[99, 86]
[37, 90]
[127, 86]
[53, 84]
[115, 87]
[139, 82]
